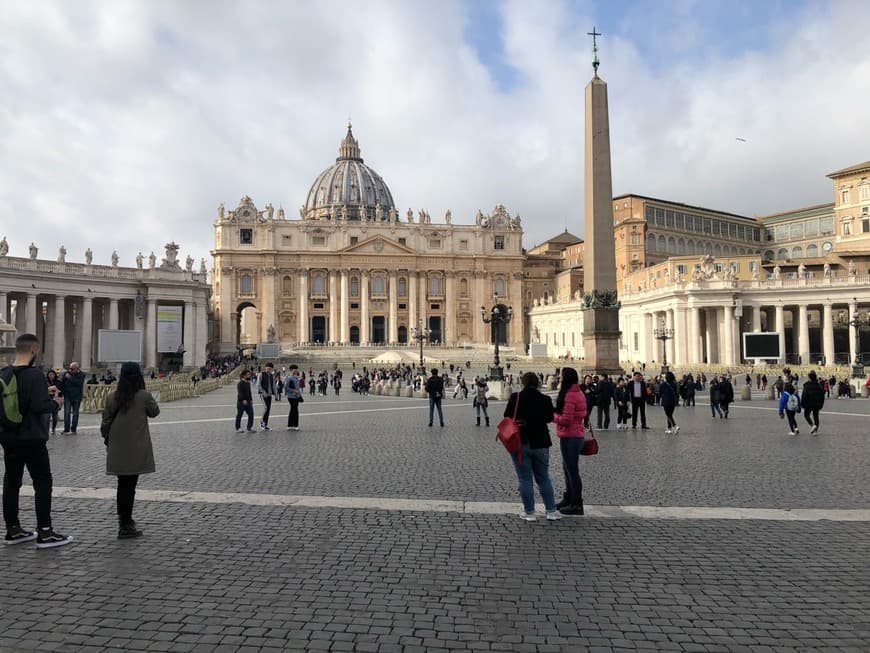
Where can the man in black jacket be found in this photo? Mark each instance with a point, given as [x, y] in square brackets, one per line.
[435, 389]
[24, 446]
[244, 402]
[603, 402]
[73, 389]
[812, 400]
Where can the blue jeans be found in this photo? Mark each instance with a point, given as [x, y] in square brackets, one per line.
[535, 463]
[435, 403]
[570, 448]
[71, 409]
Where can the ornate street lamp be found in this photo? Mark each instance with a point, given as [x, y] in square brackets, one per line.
[664, 334]
[857, 321]
[496, 316]
[420, 334]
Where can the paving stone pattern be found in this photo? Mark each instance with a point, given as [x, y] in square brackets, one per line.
[238, 578]
[746, 460]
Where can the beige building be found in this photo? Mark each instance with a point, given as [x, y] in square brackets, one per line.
[353, 271]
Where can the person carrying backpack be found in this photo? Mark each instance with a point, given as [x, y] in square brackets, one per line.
[789, 404]
[26, 408]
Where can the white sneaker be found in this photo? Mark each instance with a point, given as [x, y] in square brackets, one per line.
[668, 431]
[554, 515]
[815, 429]
[791, 432]
[676, 430]
[528, 516]
[797, 431]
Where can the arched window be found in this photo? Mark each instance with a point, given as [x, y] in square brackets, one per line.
[681, 246]
[435, 285]
[287, 286]
[690, 247]
[246, 285]
[499, 287]
[650, 243]
[378, 285]
[354, 286]
[672, 245]
[782, 253]
[797, 252]
[768, 255]
[318, 284]
[403, 287]
[717, 251]
[662, 246]
[708, 247]
[812, 250]
[463, 287]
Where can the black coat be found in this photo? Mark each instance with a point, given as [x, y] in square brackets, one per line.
[534, 413]
[34, 404]
[726, 392]
[812, 396]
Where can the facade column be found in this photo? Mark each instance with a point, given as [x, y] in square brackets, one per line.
[853, 312]
[87, 333]
[302, 331]
[4, 302]
[113, 313]
[344, 336]
[365, 336]
[30, 324]
[828, 333]
[670, 345]
[59, 345]
[270, 315]
[694, 336]
[150, 343]
[681, 339]
[779, 320]
[412, 302]
[756, 319]
[803, 334]
[201, 352]
[393, 326]
[189, 335]
[333, 307]
[648, 344]
[424, 294]
[728, 354]
[517, 326]
[478, 293]
[449, 331]
[711, 337]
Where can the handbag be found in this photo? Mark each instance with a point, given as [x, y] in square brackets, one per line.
[590, 445]
[508, 433]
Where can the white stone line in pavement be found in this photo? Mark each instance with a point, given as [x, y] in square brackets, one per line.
[774, 408]
[465, 507]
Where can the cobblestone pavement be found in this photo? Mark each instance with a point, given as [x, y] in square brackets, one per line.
[222, 576]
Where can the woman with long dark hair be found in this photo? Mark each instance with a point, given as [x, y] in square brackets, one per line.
[128, 441]
[53, 382]
[571, 412]
[669, 401]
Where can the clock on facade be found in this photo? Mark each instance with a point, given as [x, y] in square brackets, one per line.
[827, 246]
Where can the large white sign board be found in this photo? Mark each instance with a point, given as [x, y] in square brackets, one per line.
[169, 325]
[119, 346]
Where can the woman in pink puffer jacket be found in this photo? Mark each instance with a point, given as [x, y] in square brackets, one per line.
[569, 417]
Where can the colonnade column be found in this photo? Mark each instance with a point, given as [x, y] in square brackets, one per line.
[728, 358]
[59, 345]
[449, 330]
[4, 315]
[151, 334]
[756, 319]
[478, 294]
[853, 353]
[670, 345]
[681, 341]
[189, 338]
[712, 340]
[303, 306]
[113, 313]
[828, 333]
[333, 306]
[803, 334]
[649, 352]
[87, 332]
[344, 336]
[394, 307]
[517, 326]
[412, 301]
[779, 320]
[365, 328]
[30, 324]
[693, 331]
[424, 279]
[199, 354]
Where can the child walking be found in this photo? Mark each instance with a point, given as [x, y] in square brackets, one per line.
[789, 405]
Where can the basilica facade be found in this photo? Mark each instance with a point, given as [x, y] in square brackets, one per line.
[353, 270]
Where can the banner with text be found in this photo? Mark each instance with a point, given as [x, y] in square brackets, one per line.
[169, 325]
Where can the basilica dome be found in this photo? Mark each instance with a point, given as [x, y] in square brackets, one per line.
[349, 189]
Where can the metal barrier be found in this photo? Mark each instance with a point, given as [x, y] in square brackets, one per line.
[164, 390]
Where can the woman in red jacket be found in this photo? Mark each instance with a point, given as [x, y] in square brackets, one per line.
[569, 417]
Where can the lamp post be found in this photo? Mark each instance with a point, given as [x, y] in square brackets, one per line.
[421, 334]
[496, 316]
[857, 322]
[664, 334]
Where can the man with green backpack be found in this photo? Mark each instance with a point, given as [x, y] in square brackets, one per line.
[24, 414]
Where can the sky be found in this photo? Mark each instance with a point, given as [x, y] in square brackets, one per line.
[125, 124]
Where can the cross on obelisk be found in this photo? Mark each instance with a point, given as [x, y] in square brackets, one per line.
[595, 34]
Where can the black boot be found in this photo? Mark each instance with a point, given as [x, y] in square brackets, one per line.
[575, 507]
[478, 422]
[487, 421]
[127, 529]
[565, 502]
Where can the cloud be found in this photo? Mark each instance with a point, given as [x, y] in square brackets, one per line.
[125, 124]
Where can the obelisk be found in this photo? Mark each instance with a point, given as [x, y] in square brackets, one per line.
[600, 303]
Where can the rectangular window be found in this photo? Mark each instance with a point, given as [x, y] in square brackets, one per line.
[741, 232]
[681, 269]
[681, 220]
[735, 266]
[865, 192]
[246, 236]
[403, 241]
[318, 240]
[732, 230]
[318, 305]
[434, 243]
[660, 217]
[796, 230]
[435, 307]
[811, 228]
[635, 239]
[844, 196]
[782, 233]
[402, 307]
[649, 214]
[826, 226]
[354, 240]
[499, 242]
[463, 244]
[354, 306]
[865, 225]
[708, 226]
[669, 219]
[719, 267]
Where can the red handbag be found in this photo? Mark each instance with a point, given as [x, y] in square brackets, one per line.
[509, 433]
[590, 445]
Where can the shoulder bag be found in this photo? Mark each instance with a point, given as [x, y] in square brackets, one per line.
[590, 444]
[508, 433]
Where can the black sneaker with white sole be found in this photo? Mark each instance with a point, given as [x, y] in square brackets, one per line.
[46, 538]
[17, 535]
